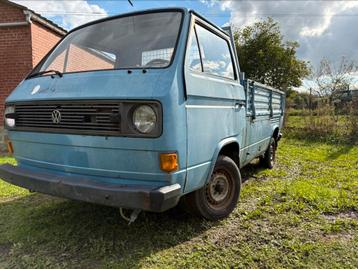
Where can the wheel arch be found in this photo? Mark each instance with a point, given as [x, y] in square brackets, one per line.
[276, 132]
[229, 147]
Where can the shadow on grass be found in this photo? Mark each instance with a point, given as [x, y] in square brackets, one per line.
[249, 171]
[74, 231]
[343, 149]
[343, 145]
[313, 136]
[339, 151]
[91, 235]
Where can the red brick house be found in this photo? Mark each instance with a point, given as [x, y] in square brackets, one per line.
[25, 37]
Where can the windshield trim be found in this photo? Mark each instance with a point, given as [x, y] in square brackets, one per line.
[136, 13]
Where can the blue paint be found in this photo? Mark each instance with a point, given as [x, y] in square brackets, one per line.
[202, 113]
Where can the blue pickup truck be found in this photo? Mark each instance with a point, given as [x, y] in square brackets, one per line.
[141, 111]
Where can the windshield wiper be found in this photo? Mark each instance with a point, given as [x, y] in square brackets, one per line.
[45, 72]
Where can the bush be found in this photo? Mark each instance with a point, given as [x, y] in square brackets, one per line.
[322, 122]
[353, 118]
[298, 112]
[325, 123]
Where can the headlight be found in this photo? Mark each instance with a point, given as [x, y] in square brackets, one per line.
[144, 119]
[9, 116]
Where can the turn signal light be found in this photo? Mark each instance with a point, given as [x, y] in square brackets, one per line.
[169, 162]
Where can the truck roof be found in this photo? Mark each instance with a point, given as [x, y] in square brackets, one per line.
[184, 10]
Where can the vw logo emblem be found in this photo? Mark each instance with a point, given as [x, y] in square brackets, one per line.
[56, 116]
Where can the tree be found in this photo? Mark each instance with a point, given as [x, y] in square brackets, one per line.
[333, 79]
[298, 100]
[265, 58]
[334, 82]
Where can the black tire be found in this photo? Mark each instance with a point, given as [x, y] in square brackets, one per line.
[219, 197]
[269, 159]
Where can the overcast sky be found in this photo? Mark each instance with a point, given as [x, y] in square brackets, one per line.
[323, 28]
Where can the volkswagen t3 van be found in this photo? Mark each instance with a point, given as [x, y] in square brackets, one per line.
[141, 110]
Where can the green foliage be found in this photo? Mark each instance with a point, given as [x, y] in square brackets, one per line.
[299, 100]
[323, 124]
[265, 58]
[302, 214]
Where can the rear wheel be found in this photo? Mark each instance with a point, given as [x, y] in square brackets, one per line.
[269, 159]
[218, 198]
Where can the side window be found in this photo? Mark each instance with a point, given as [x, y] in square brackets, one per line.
[193, 61]
[215, 53]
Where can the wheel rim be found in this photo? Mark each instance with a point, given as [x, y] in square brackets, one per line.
[272, 152]
[219, 190]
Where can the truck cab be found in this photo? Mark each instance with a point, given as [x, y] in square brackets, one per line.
[140, 111]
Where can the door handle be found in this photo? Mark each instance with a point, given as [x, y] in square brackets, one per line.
[240, 104]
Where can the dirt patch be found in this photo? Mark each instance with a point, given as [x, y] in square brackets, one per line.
[338, 237]
[4, 250]
[346, 215]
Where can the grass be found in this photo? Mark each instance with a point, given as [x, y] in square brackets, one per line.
[302, 214]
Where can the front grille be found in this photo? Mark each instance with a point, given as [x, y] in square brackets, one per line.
[75, 117]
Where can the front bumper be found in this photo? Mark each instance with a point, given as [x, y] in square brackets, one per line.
[87, 190]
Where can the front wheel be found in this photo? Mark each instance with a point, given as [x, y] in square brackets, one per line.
[219, 197]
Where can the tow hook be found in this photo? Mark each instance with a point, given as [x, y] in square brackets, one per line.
[134, 215]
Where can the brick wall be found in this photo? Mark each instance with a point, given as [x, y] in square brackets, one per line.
[79, 59]
[43, 40]
[10, 13]
[15, 54]
[82, 60]
[21, 48]
[15, 58]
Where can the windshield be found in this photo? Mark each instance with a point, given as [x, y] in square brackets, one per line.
[139, 41]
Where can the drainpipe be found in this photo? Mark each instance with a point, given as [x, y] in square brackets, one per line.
[28, 15]
[27, 21]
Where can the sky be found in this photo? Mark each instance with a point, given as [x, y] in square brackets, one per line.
[323, 28]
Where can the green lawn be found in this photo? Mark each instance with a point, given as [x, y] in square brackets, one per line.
[302, 214]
